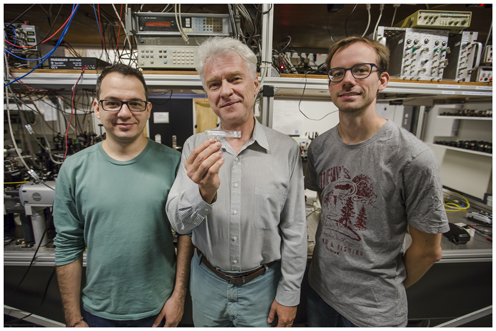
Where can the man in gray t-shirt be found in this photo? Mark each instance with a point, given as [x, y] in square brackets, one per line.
[375, 181]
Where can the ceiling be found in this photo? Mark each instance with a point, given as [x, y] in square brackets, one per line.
[311, 27]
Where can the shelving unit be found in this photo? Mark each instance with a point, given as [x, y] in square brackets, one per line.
[461, 169]
[469, 171]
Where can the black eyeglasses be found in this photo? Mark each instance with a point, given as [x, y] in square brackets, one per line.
[359, 71]
[116, 105]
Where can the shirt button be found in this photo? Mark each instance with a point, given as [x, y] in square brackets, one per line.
[206, 209]
[234, 238]
[235, 212]
[236, 185]
[235, 261]
[236, 159]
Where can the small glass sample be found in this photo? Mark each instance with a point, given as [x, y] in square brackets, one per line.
[220, 133]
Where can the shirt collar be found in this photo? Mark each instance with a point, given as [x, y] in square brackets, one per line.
[259, 136]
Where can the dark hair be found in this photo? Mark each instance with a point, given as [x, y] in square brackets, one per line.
[381, 50]
[124, 70]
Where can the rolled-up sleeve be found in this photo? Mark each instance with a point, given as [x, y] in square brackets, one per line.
[185, 206]
[69, 241]
[294, 237]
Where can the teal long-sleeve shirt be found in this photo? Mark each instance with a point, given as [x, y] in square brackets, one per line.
[117, 210]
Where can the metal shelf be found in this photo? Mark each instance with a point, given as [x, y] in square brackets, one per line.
[465, 118]
[67, 80]
[191, 80]
[44, 258]
[462, 150]
[441, 90]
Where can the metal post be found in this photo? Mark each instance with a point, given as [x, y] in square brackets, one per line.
[420, 122]
[39, 226]
[266, 101]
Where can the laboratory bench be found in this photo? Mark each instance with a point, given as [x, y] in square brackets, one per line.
[459, 284]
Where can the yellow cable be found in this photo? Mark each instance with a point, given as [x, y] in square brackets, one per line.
[15, 182]
[453, 206]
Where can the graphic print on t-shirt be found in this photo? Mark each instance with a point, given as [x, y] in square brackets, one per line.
[345, 201]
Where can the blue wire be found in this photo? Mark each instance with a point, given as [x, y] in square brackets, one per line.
[53, 50]
[98, 24]
[15, 34]
[21, 58]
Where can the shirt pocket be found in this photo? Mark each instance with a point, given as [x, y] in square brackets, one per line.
[268, 206]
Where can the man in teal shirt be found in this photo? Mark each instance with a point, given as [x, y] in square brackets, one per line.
[110, 198]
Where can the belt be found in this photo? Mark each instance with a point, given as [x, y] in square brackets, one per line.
[238, 279]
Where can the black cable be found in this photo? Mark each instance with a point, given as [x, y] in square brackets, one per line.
[51, 27]
[328, 26]
[51, 188]
[46, 12]
[49, 17]
[32, 261]
[42, 300]
[161, 104]
[18, 17]
[346, 22]
[263, 12]
[289, 42]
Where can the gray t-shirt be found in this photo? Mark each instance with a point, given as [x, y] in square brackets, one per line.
[370, 193]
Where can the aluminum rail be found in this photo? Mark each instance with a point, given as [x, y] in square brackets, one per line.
[192, 81]
[31, 318]
[467, 318]
[46, 258]
[441, 89]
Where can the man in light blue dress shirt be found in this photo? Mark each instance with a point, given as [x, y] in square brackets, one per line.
[243, 200]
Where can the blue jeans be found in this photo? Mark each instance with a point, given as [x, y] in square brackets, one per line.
[95, 321]
[320, 314]
[219, 303]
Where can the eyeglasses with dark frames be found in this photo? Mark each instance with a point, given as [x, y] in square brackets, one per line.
[359, 71]
[116, 105]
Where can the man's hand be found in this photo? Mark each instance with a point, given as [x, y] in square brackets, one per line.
[285, 314]
[172, 312]
[81, 324]
[202, 167]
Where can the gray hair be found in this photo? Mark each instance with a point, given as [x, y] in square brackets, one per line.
[217, 46]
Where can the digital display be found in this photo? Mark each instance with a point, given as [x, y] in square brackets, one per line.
[30, 33]
[31, 40]
[160, 24]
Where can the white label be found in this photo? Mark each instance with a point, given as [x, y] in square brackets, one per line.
[484, 88]
[161, 117]
[448, 86]
[448, 92]
[477, 93]
[29, 128]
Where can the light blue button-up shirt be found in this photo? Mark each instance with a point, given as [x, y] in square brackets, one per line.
[259, 213]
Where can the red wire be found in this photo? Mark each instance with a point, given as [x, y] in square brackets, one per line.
[101, 27]
[120, 25]
[8, 42]
[21, 82]
[72, 110]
